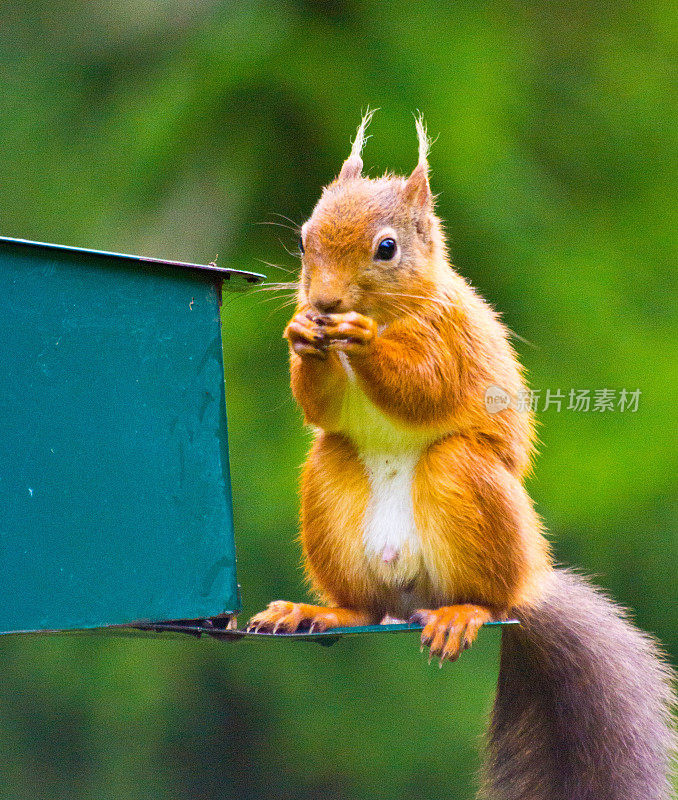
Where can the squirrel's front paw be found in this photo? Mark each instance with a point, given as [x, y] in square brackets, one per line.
[450, 630]
[305, 337]
[350, 332]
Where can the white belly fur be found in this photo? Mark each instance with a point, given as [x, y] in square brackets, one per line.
[389, 528]
[390, 454]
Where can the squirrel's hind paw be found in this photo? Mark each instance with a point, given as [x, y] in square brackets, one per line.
[450, 630]
[283, 616]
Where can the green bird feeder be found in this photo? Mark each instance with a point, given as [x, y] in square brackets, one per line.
[115, 493]
[115, 497]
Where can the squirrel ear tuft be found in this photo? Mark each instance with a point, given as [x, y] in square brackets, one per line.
[353, 166]
[417, 190]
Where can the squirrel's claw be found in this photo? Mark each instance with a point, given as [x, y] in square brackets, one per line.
[450, 630]
[349, 332]
[305, 337]
[282, 616]
[313, 334]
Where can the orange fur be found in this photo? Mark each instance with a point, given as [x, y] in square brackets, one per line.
[394, 356]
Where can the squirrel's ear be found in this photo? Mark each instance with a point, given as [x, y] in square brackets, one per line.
[353, 166]
[417, 190]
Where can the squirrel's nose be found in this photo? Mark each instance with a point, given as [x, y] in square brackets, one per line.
[326, 305]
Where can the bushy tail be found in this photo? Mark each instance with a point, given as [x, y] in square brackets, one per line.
[584, 704]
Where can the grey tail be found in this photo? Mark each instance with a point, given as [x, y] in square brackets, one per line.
[584, 706]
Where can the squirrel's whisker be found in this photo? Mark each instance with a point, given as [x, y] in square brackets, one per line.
[297, 226]
[271, 265]
[276, 224]
[294, 253]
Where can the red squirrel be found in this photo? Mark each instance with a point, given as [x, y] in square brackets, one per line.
[413, 504]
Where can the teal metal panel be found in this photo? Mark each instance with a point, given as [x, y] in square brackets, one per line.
[115, 498]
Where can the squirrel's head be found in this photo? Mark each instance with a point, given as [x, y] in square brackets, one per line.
[372, 245]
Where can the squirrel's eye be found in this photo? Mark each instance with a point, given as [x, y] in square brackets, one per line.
[301, 246]
[386, 249]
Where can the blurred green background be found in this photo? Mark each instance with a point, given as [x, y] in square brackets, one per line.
[173, 129]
